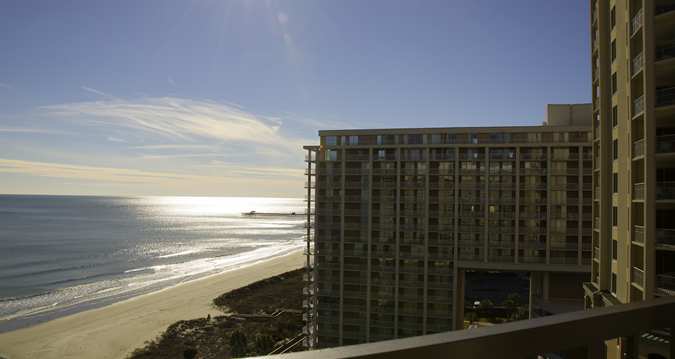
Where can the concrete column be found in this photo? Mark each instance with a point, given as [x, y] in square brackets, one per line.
[398, 239]
[458, 307]
[486, 202]
[370, 241]
[517, 217]
[548, 204]
[426, 244]
[342, 242]
[581, 205]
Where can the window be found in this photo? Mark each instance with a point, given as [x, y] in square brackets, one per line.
[614, 83]
[615, 116]
[615, 182]
[331, 155]
[614, 249]
[381, 154]
[613, 289]
[331, 140]
[615, 216]
[613, 50]
[615, 149]
[612, 18]
[416, 139]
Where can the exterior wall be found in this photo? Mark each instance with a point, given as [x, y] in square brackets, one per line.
[634, 250]
[400, 213]
[568, 114]
[644, 129]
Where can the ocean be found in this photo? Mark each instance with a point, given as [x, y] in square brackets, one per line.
[64, 254]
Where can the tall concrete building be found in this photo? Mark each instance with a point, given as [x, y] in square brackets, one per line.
[396, 217]
[633, 62]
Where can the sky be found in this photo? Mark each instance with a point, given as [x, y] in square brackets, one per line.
[216, 97]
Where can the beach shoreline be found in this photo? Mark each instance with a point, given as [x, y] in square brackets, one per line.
[114, 331]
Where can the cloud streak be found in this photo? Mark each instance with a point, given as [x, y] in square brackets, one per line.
[33, 130]
[181, 120]
[133, 176]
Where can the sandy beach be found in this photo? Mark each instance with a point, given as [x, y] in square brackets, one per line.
[116, 330]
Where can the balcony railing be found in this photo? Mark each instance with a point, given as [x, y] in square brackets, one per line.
[665, 96]
[639, 234]
[638, 191]
[666, 281]
[636, 22]
[665, 51]
[665, 190]
[638, 106]
[638, 276]
[526, 338]
[665, 236]
[662, 9]
[639, 148]
[638, 63]
[665, 144]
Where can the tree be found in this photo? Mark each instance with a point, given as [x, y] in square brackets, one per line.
[486, 304]
[238, 344]
[263, 344]
[189, 353]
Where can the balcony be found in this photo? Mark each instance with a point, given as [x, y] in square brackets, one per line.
[665, 191]
[666, 283]
[665, 96]
[527, 338]
[637, 276]
[639, 148]
[662, 9]
[665, 52]
[638, 191]
[638, 64]
[638, 234]
[638, 106]
[665, 237]
[665, 144]
[636, 22]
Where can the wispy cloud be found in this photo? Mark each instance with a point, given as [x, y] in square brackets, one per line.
[134, 176]
[94, 91]
[5, 86]
[182, 155]
[116, 139]
[172, 147]
[95, 173]
[33, 130]
[181, 120]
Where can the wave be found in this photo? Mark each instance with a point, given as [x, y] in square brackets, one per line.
[132, 282]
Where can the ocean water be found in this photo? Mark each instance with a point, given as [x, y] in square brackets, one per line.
[60, 255]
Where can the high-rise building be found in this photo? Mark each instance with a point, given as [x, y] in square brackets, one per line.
[633, 67]
[396, 217]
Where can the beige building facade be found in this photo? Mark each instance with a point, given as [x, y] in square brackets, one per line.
[633, 67]
[396, 217]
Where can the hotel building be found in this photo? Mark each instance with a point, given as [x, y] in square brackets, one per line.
[633, 70]
[396, 217]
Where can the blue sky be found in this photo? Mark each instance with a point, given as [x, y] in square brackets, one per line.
[214, 97]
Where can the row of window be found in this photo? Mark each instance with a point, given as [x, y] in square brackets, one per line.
[452, 138]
